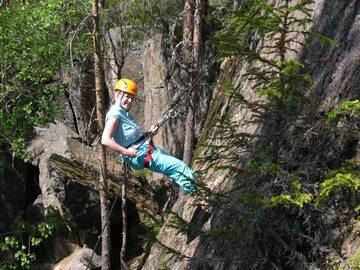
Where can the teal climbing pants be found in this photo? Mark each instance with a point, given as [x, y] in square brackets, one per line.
[162, 162]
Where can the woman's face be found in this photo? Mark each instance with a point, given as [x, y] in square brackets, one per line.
[126, 100]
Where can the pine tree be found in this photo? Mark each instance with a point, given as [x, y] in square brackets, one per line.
[193, 39]
[278, 32]
[100, 112]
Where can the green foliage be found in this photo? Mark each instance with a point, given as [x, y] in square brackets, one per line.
[225, 233]
[324, 40]
[276, 77]
[350, 108]
[163, 265]
[223, 147]
[32, 49]
[298, 198]
[339, 181]
[23, 112]
[139, 18]
[153, 13]
[234, 94]
[26, 31]
[21, 244]
[266, 36]
[278, 31]
[353, 262]
[271, 202]
[150, 229]
[347, 177]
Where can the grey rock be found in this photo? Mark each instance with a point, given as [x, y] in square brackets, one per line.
[80, 260]
[334, 70]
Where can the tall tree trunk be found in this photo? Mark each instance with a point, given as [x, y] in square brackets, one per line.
[124, 219]
[4, 3]
[236, 4]
[188, 21]
[100, 113]
[200, 8]
[188, 30]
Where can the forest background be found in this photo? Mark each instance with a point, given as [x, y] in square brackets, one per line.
[268, 117]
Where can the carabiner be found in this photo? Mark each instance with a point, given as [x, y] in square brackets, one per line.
[172, 113]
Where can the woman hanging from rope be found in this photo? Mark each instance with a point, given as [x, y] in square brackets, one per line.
[122, 132]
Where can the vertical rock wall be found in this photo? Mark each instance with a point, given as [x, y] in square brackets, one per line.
[156, 97]
[335, 71]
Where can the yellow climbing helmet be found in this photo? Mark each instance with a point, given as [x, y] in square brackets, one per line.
[127, 86]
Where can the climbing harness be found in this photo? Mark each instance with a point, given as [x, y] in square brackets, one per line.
[149, 153]
[147, 137]
[170, 112]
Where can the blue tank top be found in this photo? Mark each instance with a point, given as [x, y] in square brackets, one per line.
[128, 130]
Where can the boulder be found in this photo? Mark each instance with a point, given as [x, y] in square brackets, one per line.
[69, 175]
[80, 260]
[78, 111]
[18, 188]
[333, 70]
[12, 197]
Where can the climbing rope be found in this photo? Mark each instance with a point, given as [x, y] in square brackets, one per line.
[169, 113]
[102, 231]
[189, 89]
[172, 111]
[123, 198]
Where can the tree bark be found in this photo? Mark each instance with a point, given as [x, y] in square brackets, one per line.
[188, 20]
[188, 29]
[100, 113]
[124, 220]
[236, 4]
[4, 3]
[198, 38]
[200, 8]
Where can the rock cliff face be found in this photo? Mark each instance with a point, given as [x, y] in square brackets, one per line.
[63, 173]
[19, 193]
[335, 71]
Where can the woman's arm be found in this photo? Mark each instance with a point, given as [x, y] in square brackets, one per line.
[108, 141]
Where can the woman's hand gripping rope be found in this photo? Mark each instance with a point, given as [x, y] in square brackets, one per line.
[170, 114]
[131, 152]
